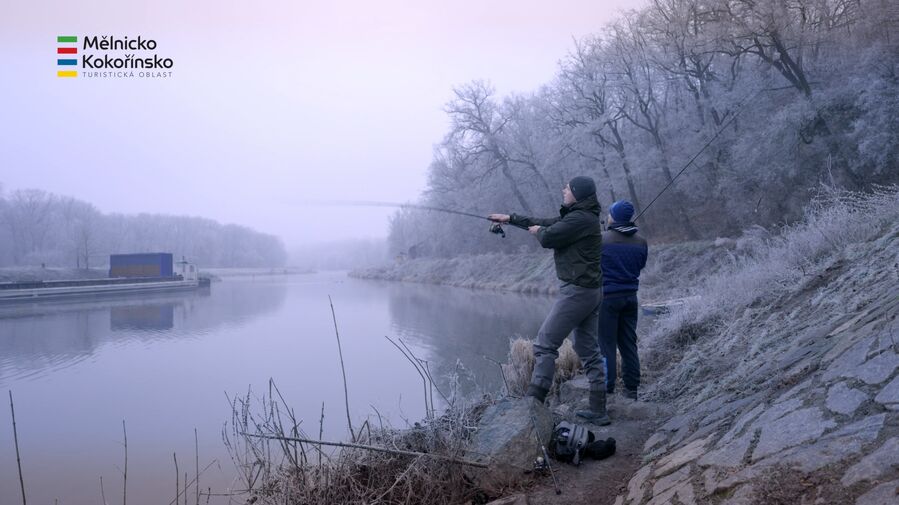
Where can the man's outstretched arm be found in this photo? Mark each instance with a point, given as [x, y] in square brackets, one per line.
[523, 221]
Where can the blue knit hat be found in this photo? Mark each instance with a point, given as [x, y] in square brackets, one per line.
[622, 211]
[582, 187]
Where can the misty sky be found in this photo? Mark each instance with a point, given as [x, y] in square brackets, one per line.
[271, 103]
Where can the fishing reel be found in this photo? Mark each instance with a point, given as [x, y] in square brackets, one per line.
[497, 228]
[541, 466]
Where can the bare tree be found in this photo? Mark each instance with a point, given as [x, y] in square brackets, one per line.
[639, 89]
[591, 107]
[477, 127]
[28, 218]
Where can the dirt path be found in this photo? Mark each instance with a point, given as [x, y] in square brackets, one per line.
[599, 482]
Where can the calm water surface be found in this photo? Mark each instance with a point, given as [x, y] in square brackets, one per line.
[165, 363]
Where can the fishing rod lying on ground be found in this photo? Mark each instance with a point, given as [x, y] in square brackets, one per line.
[495, 227]
[543, 463]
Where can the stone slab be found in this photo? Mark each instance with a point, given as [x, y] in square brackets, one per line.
[884, 494]
[876, 369]
[890, 393]
[844, 400]
[874, 465]
[681, 456]
[791, 430]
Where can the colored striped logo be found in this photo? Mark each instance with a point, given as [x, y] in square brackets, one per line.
[66, 44]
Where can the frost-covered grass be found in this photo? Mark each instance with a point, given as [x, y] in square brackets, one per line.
[765, 267]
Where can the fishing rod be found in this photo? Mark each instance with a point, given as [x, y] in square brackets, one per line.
[494, 227]
[704, 147]
[545, 463]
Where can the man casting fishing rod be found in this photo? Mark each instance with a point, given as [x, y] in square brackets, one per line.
[576, 240]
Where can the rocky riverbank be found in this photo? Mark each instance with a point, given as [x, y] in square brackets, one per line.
[795, 400]
[778, 385]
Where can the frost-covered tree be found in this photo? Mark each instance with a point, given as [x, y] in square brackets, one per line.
[785, 96]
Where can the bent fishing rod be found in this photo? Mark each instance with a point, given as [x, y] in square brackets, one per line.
[721, 129]
[495, 227]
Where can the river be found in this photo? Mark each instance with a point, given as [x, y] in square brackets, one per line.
[166, 365]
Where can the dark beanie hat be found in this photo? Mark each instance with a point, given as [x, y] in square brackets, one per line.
[582, 187]
[622, 211]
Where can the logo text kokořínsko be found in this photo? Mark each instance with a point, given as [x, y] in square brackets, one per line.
[111, 57]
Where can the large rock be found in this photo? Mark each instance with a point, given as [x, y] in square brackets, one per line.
[876, 369]
[793, 429]
[846, 362]
[889, 395]
[837, 446]
[730, 455]
[681, 457]
[834, 447]
[874, 465]
[778, 410]
[844, 400]
[506, 436]
[654, 440]
[741, 423]
[884, 494]
[683, 491]
[635, 488]
[669, 481]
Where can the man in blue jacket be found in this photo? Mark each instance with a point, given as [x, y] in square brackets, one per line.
[624, 254]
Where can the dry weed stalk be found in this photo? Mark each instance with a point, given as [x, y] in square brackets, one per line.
[409, 466]
[520, 366]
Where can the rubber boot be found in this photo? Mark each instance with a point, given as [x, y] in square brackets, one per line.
[597, 414]
[537, 392]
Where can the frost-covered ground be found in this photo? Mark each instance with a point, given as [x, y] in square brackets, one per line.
[784, 377]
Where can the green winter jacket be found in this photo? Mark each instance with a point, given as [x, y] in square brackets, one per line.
[576, 240]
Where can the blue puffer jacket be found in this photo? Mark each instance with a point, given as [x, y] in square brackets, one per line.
[624, 254]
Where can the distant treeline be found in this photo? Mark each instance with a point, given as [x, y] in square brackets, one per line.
[37, 228]
[805, 94]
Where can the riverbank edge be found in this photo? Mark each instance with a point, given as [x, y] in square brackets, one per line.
[533, 272]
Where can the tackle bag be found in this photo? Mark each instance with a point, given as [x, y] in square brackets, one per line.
[572, 442]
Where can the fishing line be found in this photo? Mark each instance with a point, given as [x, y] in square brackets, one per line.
[727, 123]
[497, 228]
[494, 228]
[370, 203]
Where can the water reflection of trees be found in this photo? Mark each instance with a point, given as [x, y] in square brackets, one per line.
[463, 326]
[44, 335]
